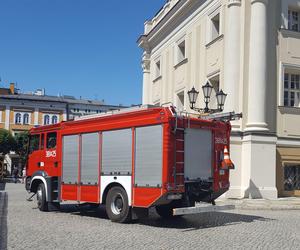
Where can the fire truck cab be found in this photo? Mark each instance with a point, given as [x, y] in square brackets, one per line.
[129, 161]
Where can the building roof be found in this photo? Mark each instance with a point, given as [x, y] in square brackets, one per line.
[60, 99]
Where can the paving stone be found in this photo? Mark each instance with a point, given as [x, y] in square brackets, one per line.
[70, 228]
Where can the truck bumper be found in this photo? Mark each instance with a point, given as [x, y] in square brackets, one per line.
[201, 208]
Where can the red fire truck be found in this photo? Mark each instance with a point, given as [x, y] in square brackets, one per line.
[130, 161]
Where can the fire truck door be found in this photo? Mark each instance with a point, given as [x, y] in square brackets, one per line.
[89, 168]
[50, 154]
[198, 154]
[70, 167]
[34, 154]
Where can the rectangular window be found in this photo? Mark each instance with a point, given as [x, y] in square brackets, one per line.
[157, 69]
[292, 177]
[180, 51]
[215, 26]
[293, 20]
[180, 100]
[291, 90]
[51, 140]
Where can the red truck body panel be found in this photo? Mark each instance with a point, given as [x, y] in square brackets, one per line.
[50, 162]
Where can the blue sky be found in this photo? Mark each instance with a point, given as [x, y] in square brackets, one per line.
[75, 47]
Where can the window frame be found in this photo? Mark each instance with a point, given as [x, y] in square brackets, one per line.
[44, 119]
[291, 89]
[26, 116]
[209, 29]
[47, 140]
[177, 58]
[54, 121]
[18, 118]
[296, 180]
[181, 92]
[290, 20]
[157, 69]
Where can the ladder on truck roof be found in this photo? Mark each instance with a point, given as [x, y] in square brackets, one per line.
[116, 111]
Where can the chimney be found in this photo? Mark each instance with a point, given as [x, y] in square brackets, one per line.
[12, 88]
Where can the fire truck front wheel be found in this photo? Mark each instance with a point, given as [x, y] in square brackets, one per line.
[41, 198]
[117, 207]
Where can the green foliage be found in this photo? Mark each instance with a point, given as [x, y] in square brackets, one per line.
[7, 142]
[21, 144]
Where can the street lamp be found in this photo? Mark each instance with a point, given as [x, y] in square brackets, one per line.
[193, 94]
[221, 97]
[207, 90]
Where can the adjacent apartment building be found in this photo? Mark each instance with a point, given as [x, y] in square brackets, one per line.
[251, 50]
[20, 112]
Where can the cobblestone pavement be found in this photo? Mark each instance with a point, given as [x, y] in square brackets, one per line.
[28, 228]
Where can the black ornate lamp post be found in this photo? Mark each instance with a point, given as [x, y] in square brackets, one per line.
[193, 94]
[207, 89]
[221, 97]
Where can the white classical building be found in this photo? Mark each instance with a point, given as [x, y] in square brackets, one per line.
[251, 50]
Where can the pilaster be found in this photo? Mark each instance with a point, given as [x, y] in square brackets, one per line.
[146, 78]
[232, 57]
[259, 166]
[36, 116]
[257, 67]
[7, 117]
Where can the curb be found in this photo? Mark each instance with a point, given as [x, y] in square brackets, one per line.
[259, 204]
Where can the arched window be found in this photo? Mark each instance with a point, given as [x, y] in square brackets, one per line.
[46, 119]
[26, 118]
[18, 118]
[54, 119]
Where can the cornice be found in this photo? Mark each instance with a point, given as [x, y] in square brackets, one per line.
[234, 3]
[259, 1]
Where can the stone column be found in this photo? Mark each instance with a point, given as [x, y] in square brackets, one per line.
[36, 116]
[257, 67]
[146, 78]
[7, 117]
[232, 55]
[258, 145]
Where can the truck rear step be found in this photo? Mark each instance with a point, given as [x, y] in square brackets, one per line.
[201, 208]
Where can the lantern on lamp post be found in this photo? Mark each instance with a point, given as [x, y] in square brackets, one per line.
[207, 90]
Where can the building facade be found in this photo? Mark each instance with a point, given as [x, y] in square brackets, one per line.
[250, 49]
[20, 112]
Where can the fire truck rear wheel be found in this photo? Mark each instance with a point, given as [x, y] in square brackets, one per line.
[166, 211]
[41, 198]
[117, 207]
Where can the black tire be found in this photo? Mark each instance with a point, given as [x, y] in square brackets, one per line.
[166, 211]
[41, 198]
[116, 205]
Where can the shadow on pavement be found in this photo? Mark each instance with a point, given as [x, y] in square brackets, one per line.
[86, 210]
[188, 222]
[3, 220]
[201, 221]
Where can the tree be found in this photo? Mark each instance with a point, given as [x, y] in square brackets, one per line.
[7, 142]
[21, 140]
